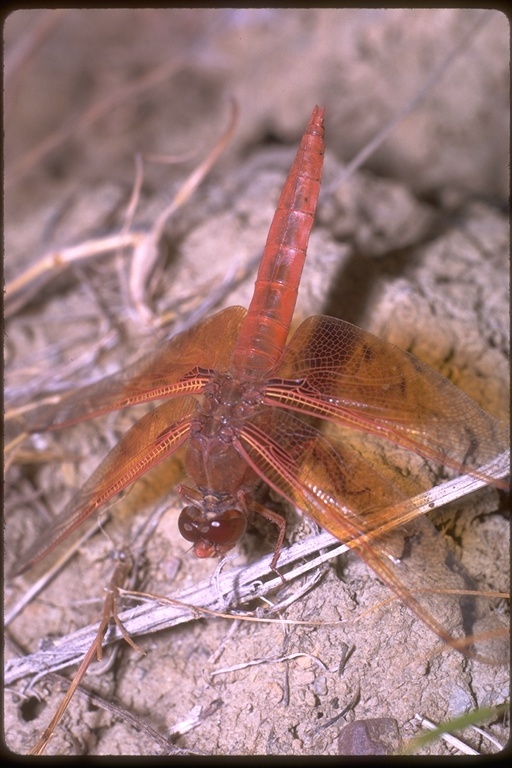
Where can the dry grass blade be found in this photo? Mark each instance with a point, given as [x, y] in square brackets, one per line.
[119, 579]
[143, 244]
[445, 730]
[21, 290]
[25, 48]
[123, 715]
[57, 566]
[230, 589]
[276, 660]
[370, 147]
[82, 122]
[146, 252]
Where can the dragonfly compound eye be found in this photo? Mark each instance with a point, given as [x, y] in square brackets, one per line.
[212, 536]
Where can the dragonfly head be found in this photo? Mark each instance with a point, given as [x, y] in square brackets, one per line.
[211, 536]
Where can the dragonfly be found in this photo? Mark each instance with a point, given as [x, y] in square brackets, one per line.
[250, 403]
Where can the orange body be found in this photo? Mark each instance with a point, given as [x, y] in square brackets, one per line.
[275, 410]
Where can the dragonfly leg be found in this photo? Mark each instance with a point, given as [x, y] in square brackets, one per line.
[274, 518]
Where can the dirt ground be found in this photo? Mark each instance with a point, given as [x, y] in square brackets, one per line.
[413, 248]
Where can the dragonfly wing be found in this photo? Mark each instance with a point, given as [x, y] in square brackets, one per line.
[179, 366]
[349, 497]
[336, 371]
[150, 440]
[443, 590]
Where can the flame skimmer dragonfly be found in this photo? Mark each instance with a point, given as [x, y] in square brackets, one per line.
[249, 405]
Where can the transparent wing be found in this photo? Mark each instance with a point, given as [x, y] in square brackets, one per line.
[338, 372]
[180, 366]
[153, 438]
[349, 497]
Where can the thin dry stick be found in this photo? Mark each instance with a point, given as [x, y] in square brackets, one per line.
[235, 275]
[143, 244]
[179, 729]
[22, 288]
[123, 715]
[146, 531]
[444, 730]
[82, 122]
[146, 246]
[146, 251]
[411, 105]
[121, 573]
[57, 566]
[25, 47]
[269, 660]
[232, 588]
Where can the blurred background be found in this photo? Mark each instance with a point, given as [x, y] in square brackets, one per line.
[163, 78]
